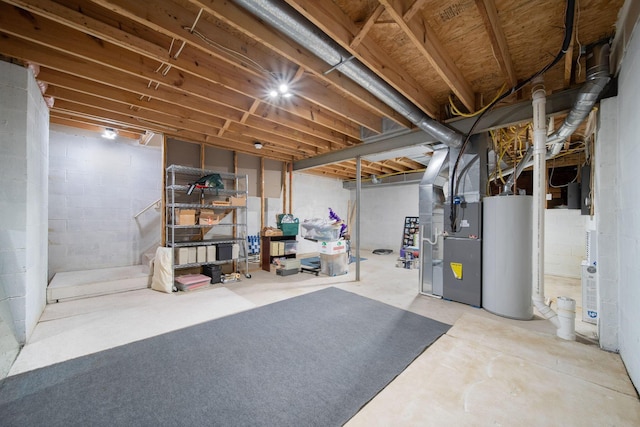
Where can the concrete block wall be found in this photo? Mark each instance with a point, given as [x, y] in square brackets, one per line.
[628, 218]
[382, 213]
[607, 210]
[564, 242]
[23, 200]
[384, 210]
[96, 187]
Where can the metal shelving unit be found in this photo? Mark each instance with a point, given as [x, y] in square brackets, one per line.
[178, 181]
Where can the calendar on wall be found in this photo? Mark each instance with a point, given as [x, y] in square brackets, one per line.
[411, 231]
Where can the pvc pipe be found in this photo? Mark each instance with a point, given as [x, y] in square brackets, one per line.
[564, 320]
[539, 186]
[567, 318]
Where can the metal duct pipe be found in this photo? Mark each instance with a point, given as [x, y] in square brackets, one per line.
[289, 22]
[598, 76]
[518, 170]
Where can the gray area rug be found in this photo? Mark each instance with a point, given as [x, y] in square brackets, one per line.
[312, 360]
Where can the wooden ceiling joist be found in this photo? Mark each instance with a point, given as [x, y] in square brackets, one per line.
[108, 55]
[426, 41]
[200, 70]
[489, 13]
[242, 21]
[333, 21]
[161, 16]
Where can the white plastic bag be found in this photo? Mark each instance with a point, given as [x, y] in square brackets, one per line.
[163, 270]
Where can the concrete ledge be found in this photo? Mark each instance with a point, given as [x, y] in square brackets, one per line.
[89, 283]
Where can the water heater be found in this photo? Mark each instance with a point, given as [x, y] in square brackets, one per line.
[507, 256]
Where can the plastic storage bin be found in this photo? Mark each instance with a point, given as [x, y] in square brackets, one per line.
[288, 228]
[224, 251]
[290, 247]
[213, 271]
[334, 265]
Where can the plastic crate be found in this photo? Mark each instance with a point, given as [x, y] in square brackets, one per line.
[289, 228]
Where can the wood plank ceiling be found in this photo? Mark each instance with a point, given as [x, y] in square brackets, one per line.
[201, 70]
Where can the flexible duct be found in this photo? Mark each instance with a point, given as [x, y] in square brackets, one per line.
[289, 22]
[598, 76]
[518, 170]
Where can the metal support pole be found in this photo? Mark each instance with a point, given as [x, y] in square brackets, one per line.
[358, 184]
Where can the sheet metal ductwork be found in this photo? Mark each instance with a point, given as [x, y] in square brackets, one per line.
[598, 76]
[289, 22]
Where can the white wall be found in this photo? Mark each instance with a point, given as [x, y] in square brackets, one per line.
[564, 242]
[96, 186]
[382, 213]
[384, 210]
[607, 212]
[23, 200]
[629, 202]
[312, 198]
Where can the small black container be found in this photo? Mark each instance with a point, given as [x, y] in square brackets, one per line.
[223, 251]
[213, 271]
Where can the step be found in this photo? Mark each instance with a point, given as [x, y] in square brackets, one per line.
[147, 260]
[90, 283]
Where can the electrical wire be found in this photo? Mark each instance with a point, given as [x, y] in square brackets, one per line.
[568, 31]
[257, 66]
[553, 167]
[457, 112]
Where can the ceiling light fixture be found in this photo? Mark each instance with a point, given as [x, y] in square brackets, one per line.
[109, 133]
[281, 89]
[258, 145]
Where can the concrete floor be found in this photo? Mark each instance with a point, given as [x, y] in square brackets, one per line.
[487, 370]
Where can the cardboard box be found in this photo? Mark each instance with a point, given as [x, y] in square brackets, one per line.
[275, 249]
[334, 247]
[182, 256]
[211, 253]
[193, 255]
[238, 201]
[208, 217]
[201, 254]
[270, 231]
[186, 217]
[235, 251]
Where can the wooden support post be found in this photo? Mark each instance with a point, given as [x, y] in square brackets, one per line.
[235, 211]
[290, 188]
[284, 187]
[262, 224]
[163, 231]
